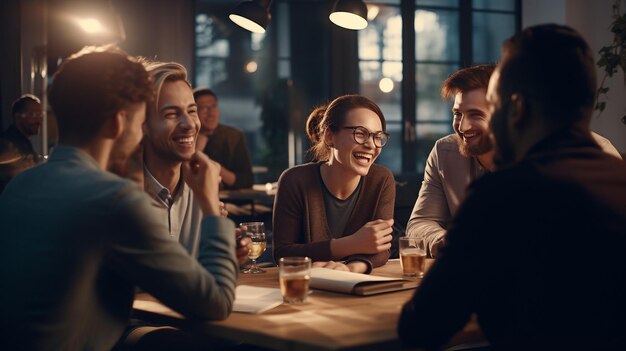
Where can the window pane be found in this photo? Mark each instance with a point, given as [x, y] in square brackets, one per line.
[450, 3]
[382, 38]
[223, 63]
[383, 2]
[437, 35]
[210, 71]
[429, 78]
[502, 5]
[427, 134]
[434, 118]
[209, 40]
[490, 31]
[284, 69]
[281, 21]
[374, 89]
[380, 72]
[391, 155]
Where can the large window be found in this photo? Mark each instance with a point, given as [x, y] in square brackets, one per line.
[443, 32]
[242, 68]
[267, 84]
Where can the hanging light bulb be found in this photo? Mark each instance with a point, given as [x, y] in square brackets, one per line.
[253, 15]
[350, 14]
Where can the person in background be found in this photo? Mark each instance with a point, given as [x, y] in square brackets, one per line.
[460, 158]
[77, 240]
[222, 143]
[536, 250]
[341, 207]
[27, 117]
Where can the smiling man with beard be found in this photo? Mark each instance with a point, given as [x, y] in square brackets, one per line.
[460, 158]
[536, 250]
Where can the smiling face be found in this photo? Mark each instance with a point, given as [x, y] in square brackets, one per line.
[346, 152]
[171, 131]
[471, 122]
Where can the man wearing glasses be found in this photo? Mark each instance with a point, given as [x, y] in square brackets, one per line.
[223, 144]
[27, 117]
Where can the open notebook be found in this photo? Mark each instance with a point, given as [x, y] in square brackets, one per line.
[356, 283]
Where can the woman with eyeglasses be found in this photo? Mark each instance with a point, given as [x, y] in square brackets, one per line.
[339, 209]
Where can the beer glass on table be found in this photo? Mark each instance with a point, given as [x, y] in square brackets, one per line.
[412, 256]
[294, 274]
[256, 232]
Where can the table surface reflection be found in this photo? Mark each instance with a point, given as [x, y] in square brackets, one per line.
[327, 321]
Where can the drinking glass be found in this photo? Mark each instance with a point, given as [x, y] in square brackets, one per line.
[256, 232]
[412, 256]
[294, 274]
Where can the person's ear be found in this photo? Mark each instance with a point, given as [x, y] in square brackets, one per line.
[328, 138]
[519, 109]
[114, 126]
[144, 127]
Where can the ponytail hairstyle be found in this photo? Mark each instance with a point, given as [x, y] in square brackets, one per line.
[332, 118]
[313, 123]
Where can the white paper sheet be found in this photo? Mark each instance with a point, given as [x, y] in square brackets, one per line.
[251, 299]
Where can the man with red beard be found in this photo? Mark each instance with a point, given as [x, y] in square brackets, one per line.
[460, 158]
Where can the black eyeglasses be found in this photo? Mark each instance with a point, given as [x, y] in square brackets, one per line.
[361, 135]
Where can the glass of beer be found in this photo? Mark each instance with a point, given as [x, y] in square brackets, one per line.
[294, 274]
[256, 232]
[412, 256]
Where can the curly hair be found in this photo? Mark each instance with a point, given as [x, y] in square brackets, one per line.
[91, 87]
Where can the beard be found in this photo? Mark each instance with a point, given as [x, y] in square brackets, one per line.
[484, 145]
[504, 151]
[127, 164]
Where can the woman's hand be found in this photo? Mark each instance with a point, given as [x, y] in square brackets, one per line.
[331, 265]
[372, 238]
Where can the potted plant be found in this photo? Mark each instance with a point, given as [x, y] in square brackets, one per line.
[613, 56]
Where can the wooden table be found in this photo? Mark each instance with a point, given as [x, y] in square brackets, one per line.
[328, 321]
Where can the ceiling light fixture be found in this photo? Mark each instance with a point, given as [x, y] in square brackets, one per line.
[253, 15]
[350, 14]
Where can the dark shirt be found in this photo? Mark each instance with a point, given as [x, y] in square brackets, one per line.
[19, 141]
[537, 252]
[75, 241]
[337, 210]
[301, 227]
[227, 146]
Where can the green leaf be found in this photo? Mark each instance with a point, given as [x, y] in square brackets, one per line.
[600, 106]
